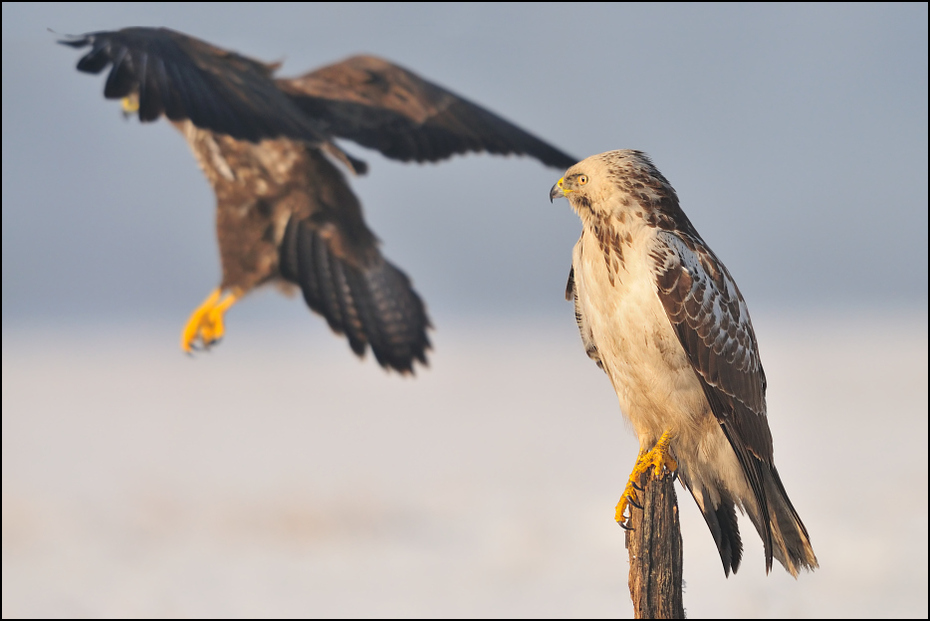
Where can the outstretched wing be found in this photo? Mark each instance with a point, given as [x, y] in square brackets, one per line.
[186, 78]
[385, 107]
[712, 322]
[332, 255]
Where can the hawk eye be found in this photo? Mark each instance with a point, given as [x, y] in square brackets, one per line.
[582, 179]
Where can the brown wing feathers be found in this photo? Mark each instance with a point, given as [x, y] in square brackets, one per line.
[721, 346]
[372, 304]
[386, 107]
[186, 78]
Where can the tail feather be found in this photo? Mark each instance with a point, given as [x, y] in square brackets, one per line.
[723, 526]
[791, 543]
[721, 520]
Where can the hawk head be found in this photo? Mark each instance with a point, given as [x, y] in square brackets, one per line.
[615, 182]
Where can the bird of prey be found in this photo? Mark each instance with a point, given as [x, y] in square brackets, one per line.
[285, 213]
[661, 315]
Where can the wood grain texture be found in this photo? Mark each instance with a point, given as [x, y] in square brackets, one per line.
[654, 544]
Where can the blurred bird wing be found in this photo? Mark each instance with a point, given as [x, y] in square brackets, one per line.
[386, 107]
[186, 78]
[331, 254]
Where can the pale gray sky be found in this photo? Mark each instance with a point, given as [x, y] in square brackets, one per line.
[796, 136]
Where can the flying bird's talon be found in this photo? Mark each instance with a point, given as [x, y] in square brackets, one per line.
[205, 327]
[130, 105]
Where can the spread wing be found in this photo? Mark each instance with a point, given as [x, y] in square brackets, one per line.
[385, 107]
[186, 78]
[332, 255]
[710, 317]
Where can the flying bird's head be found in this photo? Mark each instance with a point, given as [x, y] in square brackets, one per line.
[614, 182]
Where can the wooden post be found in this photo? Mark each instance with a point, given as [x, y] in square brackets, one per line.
[654, 544]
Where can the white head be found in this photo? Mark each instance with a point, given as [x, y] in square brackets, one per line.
[615, 182]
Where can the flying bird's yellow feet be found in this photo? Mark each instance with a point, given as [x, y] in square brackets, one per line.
[130, 104]
[206, 323]
[656, 459]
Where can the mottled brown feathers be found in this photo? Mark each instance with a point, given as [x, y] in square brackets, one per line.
[659, 312]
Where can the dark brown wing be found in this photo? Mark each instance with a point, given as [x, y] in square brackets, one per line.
[185, 78]
[332, 255]
[712, 321]
[385, 107]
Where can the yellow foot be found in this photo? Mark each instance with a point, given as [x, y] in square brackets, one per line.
[656, 459]
[205, 327]
[130, 104]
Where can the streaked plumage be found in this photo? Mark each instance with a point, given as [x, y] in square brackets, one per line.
[285, 212]
[661, 315]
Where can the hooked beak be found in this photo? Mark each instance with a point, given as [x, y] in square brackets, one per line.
[557, 191]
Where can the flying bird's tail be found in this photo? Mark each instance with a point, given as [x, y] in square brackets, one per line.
[372, 304]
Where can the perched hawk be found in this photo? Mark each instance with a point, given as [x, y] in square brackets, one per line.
[661, 315]
[284, 211]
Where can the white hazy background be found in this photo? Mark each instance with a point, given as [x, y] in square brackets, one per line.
[280, 476]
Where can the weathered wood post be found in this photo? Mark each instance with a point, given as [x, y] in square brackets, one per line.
[654, 544]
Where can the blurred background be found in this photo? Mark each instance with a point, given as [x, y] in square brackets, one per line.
[278, 475]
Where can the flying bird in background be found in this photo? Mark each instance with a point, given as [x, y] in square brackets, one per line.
[661, 315]
[285, 213]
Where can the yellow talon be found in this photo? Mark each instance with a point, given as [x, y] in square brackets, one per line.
[130, 103]
[657, 458]
[206, 323]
